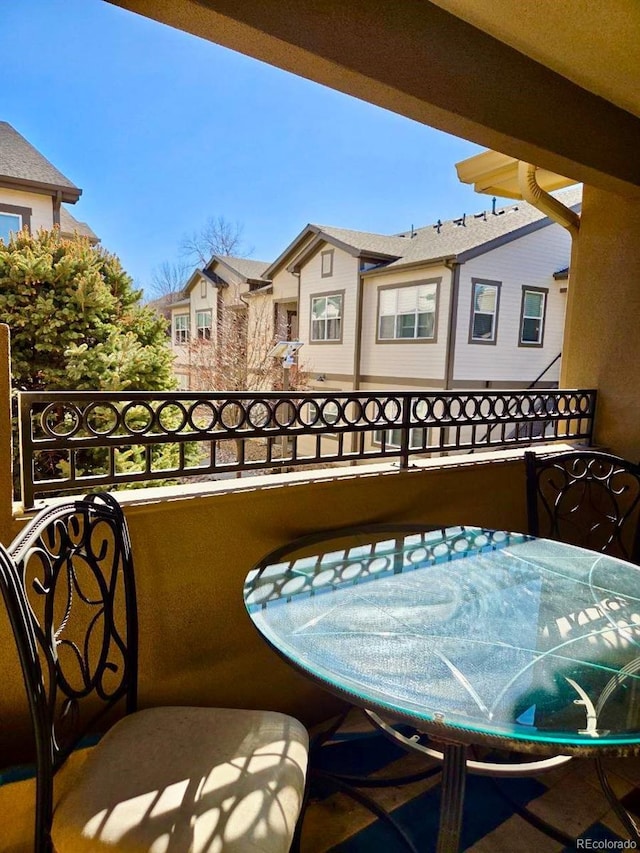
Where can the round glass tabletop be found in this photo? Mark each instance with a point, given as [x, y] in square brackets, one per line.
[484, 635]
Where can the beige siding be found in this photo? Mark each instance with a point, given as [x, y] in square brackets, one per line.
[528, 261]
[321, 358]
[285, 286]
[41, 206]
[415, 360]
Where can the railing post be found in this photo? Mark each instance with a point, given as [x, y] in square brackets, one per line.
[405, 431]
[6, 439]
[26, 451]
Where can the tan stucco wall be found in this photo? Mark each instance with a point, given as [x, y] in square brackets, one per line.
[191, 553]
[602, 342]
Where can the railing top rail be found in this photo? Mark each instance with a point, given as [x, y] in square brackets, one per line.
[42, 396]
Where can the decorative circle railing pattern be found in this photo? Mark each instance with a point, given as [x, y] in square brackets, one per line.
[59, 431]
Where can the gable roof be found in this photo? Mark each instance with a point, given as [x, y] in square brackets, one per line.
[456, 239]
[23, 166]
[247, 268]
[69, 226]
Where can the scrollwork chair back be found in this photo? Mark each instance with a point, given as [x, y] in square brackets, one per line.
[68, 585]
[585, 498]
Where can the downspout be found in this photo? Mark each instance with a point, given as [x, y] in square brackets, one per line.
[357, 348]
[454, 266]
[532, 192]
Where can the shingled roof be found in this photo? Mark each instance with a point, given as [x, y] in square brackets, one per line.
[474, 234]
[248, 268]
[23, 166]
[69, 226]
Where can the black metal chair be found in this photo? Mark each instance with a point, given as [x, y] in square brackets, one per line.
[178, 777]
[585, 498]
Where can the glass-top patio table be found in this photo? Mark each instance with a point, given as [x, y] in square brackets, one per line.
[474, 636]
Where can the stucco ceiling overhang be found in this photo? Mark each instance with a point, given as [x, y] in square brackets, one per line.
[468, 67]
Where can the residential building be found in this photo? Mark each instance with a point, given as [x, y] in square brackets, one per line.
[33, 193]
[211, 294]
[469, 303]
[476, 302]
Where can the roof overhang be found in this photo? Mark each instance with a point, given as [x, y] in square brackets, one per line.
[496, 174]
[69, 195]
[574, 110]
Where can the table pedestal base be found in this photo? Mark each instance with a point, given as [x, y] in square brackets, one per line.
[454, 775]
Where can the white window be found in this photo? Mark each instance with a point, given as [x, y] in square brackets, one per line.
[484, 312]
[326, 263]
[203, 325]
[407, 312]
[9, 223]
[326, 317]
[182, 327]
[532, 320]
[203, 289]
[417, 437]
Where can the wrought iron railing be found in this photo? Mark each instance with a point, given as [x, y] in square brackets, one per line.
[73, 441]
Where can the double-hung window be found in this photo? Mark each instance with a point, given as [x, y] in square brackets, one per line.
[203, 325]
[181, 328]
[408, 312]
[10, 223]
[326, 317]
[534, 301]
[484, 311]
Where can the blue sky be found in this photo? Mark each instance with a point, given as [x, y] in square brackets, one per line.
[162, 130]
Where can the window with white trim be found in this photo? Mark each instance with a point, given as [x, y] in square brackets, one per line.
[203, 289]
[10, 223]
[532, 317]
[181, 328]
[326, 317]
[204, 325]
[407, 312]
[484, 312]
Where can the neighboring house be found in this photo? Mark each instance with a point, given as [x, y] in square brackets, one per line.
[33, 192]
[217, 291]
[476, 302]
[468, 303]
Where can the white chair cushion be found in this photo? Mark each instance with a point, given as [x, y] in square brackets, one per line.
[198, 780]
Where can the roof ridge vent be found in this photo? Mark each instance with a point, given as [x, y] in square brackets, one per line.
[462, 221]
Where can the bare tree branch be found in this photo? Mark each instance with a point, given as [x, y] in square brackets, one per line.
[168, 281]
[217, 237]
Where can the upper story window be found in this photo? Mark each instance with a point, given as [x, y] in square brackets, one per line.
[408, 312]
[182, 327]
[326, 317]
[9, 223]
[484, 311]
[203, 289]
[203, 324]
[326, 263]
[534, 301]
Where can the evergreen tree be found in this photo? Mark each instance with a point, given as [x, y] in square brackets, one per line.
[76, 320]
[76, 323]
